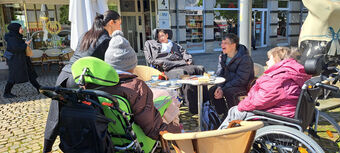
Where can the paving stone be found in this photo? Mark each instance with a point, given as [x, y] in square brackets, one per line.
[3, 149]
[28, 151]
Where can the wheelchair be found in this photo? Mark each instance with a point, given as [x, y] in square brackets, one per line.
[282, 134]
[122, 131]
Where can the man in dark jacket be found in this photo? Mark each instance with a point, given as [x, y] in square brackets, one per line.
[173, 59]
[237, 67]
[19, 65]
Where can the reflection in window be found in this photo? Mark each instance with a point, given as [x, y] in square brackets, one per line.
[259, 3]
[194, 30]
[281, 31]
[225, 21]
[283, 4]
[193, 3]
[226, 4]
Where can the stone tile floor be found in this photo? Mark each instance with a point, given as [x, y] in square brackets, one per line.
[22, 119]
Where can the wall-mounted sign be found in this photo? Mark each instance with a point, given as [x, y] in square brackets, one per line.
[163, 19]
[163, 4]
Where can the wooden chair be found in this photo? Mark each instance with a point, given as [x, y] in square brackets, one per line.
[52, 56]
[258, 70]
[145, 72]
[65, 57]
[231, 140]
[38, 58]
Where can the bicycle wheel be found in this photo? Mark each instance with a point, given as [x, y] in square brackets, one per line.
[283, 139]
[329, 131]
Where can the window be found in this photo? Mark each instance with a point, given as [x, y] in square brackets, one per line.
[194, 30]
[225, 21]
[226, 4]
[282, 4]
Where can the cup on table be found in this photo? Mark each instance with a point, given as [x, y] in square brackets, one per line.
[154, 78]
[212, 75]
[173, 83]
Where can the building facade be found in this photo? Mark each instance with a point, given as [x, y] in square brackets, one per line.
[197, 25]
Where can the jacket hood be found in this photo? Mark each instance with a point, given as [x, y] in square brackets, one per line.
[13, 34]
[242, 50]
[289, 69]
[14, 27]
[117, 32]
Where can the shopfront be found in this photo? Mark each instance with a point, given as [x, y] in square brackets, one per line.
[198, 25]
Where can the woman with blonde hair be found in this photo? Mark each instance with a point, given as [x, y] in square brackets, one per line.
[277, 91]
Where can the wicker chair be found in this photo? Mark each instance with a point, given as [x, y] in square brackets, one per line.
[231, 140]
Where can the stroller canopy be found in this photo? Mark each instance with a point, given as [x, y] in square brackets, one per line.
[98, 72]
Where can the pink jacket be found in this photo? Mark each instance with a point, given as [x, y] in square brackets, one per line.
[278, 90]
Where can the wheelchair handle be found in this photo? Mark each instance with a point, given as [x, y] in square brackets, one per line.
[326, 86]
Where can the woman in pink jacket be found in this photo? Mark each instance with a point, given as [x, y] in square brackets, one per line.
[277, 91]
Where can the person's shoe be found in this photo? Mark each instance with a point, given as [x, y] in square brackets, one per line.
[9, 95]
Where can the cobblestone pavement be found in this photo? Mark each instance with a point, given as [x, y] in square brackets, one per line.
[22, 119]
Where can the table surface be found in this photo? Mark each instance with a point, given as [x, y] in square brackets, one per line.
[163, 84]
[217, 80]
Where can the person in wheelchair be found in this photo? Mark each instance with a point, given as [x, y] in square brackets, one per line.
[277, 91]
[119, 54]
[172, 59]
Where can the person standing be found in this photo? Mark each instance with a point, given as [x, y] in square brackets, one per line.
[93, 43]
[19, 65]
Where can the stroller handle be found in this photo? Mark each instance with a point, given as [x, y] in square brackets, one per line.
[57, 92]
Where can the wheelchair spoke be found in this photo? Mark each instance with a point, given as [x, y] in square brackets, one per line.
[281, 139]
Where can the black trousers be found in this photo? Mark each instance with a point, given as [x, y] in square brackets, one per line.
[10, 84]
[189, 91]
[230, 98]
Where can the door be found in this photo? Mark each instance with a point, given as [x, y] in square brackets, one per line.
[138, 17]
[259, 27]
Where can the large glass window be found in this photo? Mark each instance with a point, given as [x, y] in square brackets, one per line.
[193, 3]
[259, 3]
[225, 21]
[194, 30]
[226, 3]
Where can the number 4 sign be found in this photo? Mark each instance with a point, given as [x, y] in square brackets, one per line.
[163, 4]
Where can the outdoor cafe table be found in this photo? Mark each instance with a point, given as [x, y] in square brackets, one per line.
[200, 85]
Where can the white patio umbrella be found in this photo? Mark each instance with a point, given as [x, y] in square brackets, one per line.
[81, 15]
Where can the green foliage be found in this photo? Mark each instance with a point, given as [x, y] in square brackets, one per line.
[64, 15]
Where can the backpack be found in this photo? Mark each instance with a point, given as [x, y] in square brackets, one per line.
[209, 118]
[80, 126]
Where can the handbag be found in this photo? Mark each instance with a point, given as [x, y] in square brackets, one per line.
[8, 55]
[29, 52]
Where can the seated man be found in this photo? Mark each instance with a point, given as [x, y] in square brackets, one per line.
[237, 67]
[277, 91]
[173, 59]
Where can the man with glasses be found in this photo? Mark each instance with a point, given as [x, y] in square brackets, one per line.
[237, 67]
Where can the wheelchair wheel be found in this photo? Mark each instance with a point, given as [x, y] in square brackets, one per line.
[329, 132]
[283, 139]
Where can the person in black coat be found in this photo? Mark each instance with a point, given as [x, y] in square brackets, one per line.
[19, 65]
[237, 67]
[93, 43]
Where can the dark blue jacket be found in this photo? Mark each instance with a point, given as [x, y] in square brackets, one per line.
[19, 65]
[239, 71]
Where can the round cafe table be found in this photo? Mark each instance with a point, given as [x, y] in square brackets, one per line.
[200, 85]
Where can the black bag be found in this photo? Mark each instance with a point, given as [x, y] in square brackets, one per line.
[209, 118]
[83, 128]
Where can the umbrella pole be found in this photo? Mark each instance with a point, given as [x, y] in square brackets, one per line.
[26, 21]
